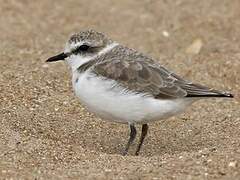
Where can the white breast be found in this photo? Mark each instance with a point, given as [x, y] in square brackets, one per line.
[116, 104]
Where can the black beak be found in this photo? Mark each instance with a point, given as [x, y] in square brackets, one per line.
[58, 57]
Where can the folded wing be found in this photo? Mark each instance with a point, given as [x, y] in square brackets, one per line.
[146, 76]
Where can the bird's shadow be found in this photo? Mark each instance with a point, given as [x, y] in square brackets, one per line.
[111, 138]
[171, 136]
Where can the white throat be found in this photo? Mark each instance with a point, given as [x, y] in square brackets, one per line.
[75, 61]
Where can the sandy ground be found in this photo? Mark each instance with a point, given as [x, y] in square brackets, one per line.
[45, 133]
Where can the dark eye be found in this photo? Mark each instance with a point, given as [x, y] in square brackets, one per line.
[83, 47]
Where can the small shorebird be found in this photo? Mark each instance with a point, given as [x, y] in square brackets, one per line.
[123, 85]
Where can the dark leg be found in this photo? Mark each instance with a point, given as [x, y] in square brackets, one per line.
[133, 133]
[143, 135]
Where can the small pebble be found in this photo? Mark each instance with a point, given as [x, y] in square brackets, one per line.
[165, 34]
[45, 65]
[233, 164]
[195, 47]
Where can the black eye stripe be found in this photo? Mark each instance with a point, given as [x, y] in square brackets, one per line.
[83, 48]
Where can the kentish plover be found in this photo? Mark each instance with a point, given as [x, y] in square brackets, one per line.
[123, 85]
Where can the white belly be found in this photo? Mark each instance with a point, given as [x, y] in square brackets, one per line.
[114, 104]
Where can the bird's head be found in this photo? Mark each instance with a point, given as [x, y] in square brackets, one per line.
[82, 47]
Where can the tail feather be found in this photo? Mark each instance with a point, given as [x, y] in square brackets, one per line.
[227, 95]
[210, 93]
[197, 90]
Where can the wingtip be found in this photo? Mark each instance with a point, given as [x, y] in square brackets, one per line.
[229, 95]
[218, 94]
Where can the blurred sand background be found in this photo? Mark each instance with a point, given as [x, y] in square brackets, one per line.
[45, 133]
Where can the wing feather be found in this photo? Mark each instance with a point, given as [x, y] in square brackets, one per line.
[138, 73]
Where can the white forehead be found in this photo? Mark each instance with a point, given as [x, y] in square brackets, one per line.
[69, 47]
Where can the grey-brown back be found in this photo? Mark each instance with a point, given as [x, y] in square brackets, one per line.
[141, 74]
